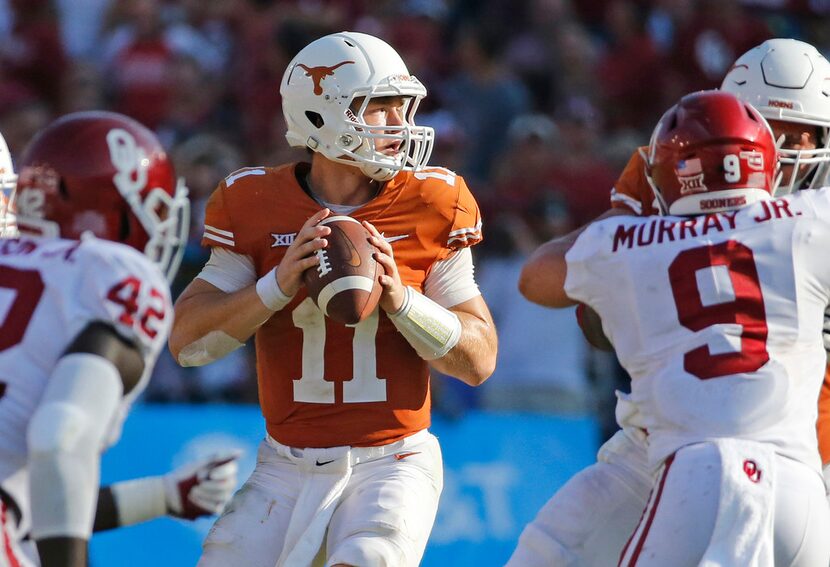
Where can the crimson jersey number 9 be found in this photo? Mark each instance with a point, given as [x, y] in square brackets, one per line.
[746, 310]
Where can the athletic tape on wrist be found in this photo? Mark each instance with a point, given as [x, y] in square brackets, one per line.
[269, 291]
[213, 346]
[139, 500]
[431, 329]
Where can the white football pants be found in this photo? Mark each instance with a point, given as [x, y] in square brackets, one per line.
[381, 514]
[589, 520]
[706, 507]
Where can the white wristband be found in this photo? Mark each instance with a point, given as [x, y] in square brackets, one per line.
[139, 500]
[269, 291]
[431, 329]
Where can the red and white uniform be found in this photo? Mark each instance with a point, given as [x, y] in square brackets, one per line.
[51, 290]
[718, 320]
[355, 400]
[632, 191]
[614, 491]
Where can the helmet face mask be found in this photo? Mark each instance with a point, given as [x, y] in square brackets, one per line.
[414, 141]
[710, 153]
[804, 168]
[168, 217]
[785, 80]
[322, 90]
[103, 174]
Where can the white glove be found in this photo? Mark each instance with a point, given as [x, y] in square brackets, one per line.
[201, 488]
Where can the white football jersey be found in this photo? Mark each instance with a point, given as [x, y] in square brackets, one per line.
[50, 290]
[718, 319]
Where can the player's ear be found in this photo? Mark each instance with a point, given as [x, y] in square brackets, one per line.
[102, 339]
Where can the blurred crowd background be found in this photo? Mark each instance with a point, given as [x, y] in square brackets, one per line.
[537, 103]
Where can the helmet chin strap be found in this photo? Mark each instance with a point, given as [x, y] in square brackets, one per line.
[662, 207]
[376, 172]
[373, 169]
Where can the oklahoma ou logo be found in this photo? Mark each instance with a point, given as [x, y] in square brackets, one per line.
[129, 160]
[752, 471]
[317, 74]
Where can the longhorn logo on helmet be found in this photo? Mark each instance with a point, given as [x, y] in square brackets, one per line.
[319, 73]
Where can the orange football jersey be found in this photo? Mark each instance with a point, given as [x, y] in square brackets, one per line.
[633, 191]
[323, 384]
[824, 419]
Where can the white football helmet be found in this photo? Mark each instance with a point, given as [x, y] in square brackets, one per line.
[787, 80]
[320, 86]
[8, 182]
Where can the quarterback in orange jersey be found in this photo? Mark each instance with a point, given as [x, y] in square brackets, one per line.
[589, 520]
[348, 472]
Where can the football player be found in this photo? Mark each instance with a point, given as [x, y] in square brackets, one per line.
[101, 220]
[716, 313]
[198, 488]
[589, 520]
[348, 467]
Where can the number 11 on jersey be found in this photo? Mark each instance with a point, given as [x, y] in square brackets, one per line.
[312, 387]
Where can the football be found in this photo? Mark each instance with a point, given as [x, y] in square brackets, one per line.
[344, 283]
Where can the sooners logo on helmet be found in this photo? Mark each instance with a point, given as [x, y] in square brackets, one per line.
[711, 142]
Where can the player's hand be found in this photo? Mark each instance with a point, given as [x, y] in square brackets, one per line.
[300, 256]
[201, 488]
[394, 292]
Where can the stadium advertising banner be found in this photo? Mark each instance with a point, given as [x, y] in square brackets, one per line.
[499, 470]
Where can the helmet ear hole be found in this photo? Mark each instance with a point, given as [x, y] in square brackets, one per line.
[673, 121]
[315, 118]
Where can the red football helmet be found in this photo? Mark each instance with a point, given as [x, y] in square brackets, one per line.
[104, 174]
[711, 152]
